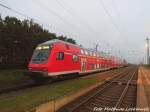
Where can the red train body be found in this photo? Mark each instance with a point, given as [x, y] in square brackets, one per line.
[56, 57]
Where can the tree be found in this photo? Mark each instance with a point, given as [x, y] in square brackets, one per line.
[19, 38]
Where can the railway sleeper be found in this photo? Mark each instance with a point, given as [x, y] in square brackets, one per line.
[125, 83]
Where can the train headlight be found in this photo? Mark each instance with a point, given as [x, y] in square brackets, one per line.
[30, 68]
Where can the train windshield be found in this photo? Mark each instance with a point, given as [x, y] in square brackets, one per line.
[41, 54]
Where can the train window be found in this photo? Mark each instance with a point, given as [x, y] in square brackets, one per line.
[91, 53]
[92, 66]
[82, 52]
[75, 58]
[60, 56]
[86, 53]
[97, 65]
[41, 54]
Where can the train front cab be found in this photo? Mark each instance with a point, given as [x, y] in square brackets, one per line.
[39, 63]
[62, 59]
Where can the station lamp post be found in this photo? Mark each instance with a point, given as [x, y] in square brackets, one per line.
[147, 48]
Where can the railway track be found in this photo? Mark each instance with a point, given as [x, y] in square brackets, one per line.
[32, 83]
[117, 95]
[25, 85]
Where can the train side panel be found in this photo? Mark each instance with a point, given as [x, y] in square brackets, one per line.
[69, 62]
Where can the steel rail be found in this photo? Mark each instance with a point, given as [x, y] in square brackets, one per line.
[101, 90]
[125, 91]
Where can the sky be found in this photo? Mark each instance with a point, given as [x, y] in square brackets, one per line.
[119, 27]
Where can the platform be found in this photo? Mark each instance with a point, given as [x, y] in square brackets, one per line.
[143, 89]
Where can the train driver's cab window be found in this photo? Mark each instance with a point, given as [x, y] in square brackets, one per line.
[75, 58]
[41, 53]
[60, 56]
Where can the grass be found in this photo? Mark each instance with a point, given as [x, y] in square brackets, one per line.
[13, 76]
[147, 66]
[28, 99]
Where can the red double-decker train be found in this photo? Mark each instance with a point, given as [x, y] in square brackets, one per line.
[58, 58]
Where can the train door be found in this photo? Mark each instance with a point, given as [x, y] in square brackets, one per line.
[83, 64]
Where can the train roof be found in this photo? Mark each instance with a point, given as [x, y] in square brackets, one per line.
[56, 40]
